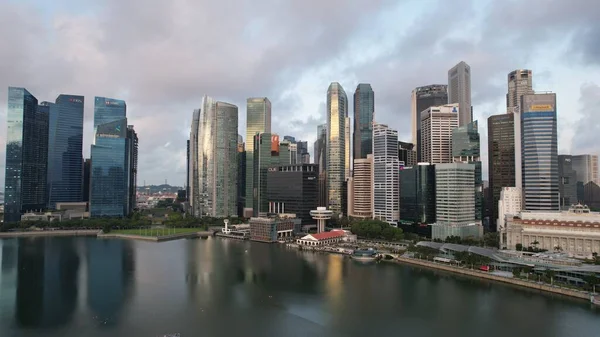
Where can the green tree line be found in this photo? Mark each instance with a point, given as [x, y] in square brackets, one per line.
[375, 229]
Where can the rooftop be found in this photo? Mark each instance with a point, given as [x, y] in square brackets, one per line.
[327, 235]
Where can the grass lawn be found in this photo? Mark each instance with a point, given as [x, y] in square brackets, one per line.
[157, 231]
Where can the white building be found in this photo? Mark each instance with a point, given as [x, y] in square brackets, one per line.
[386, 174]
[360, 189]
[455, 199]
[459, 90]
[510, 203]
[437, 123]
[576, 231]
[321, 239]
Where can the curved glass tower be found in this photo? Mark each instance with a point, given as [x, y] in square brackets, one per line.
[364, 107]
[337, 111]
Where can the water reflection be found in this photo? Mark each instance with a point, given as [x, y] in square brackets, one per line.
[110, 266]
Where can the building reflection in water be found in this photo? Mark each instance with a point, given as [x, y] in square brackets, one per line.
[46, 293]
[334, 283]
[111, 268]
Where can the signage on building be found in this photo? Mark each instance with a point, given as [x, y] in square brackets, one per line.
[275, 144]
[541, 107]
[273, 169]
[75, 100]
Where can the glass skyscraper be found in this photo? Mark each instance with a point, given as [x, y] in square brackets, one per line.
[501, 158]
[109, 177]
[258, 120]
[26, 155]
[262, 161]
[65, 142]
[423, 98]
[466, 149]
[539, 152]
[417, 194]
[337, 111]
[364, 107]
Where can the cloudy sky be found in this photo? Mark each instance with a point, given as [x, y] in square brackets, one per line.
[163, 56]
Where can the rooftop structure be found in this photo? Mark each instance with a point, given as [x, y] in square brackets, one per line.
[321, 214]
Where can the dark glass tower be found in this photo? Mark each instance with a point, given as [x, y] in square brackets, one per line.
[501, 158]
[109, 177]
[422, 99]
[65, 142]
[364, 107]
[131, 170]
[262, 162]
[26, 155]
[293, 189]
[567, 183]
[466, 149]
[87, 169]
[417, 194]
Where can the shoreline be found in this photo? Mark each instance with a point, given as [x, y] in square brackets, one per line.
[84, 232]
[162, 238]
[557, 290]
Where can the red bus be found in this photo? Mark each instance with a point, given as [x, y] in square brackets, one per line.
[484, 268]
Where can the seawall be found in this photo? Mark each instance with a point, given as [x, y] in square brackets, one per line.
[584, 295]
[155, 238]
[87, 232]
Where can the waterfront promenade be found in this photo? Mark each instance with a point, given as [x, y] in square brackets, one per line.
[84, 232]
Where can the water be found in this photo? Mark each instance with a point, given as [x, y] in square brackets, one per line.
[215, 287]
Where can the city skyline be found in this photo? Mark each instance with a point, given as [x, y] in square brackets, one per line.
[160, 108]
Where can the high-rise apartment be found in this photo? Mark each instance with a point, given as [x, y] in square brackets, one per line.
[520, 82]
[364, 109]
[417, 194]
[501, 157]
[459, 91]
[258, 120]
[386, 170]
[26, 154]
[466, 149]
[423, 98]
[65, 142]
[337, 111]
[539, 151]
[214, 144]
[360, 189]
[109, 195]
[567, 182]
[437, 124]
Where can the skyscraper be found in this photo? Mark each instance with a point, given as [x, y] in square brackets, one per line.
[348, 152]
[214, 145]
[407, 154]
[65, 142]
[465, 149]
[386, 170]
[132, 164]
[423, 98]
[459, 91]
[262, 161]
[241, 183]
[437, 124]
[87, 171]
[567, 182]
[360, 189]
[293, 189]
[586, 168]
[109, 196]
[337, 111]
[26, 154]
[258, 120]
[417, 194]
[455, 200]
[501, 158]
[320, 153]
[364, 109]
[301, 152]
[520, 82]
[539, 151]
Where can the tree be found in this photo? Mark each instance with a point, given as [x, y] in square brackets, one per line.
[519, 246]
[516, 272]
[106, 228]
[491, 239]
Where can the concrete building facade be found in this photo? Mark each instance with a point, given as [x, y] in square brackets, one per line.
[386, 171]
[459, 91]
[423, 98]
[437, 124]
[360, 189]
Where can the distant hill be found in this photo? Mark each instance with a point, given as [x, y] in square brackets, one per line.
[159, 188]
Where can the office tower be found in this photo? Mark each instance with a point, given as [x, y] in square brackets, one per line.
[320, 154]
[301, 152]
[262, 161]
[284, 154]
[423, 98]
[293, 189]
[132, 164]
[407, 155]
[417, 194]
[520, 82]
[290, 139]
[241, 180]
[214, 145]
[455, 200]
[586, 168]
[567, 182]
[26, 155]
[510, 203]
[364, 109]
[337, 111]
[305, 158]
[386, 170]
[109, 195]
[539, 151]
[347, 154]
[258, 120]
[360, 188]
[87, 171]
[465, 149]
[459, 91]
[65, 142]
[437, 124]
[501, 158]
[187, 175]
